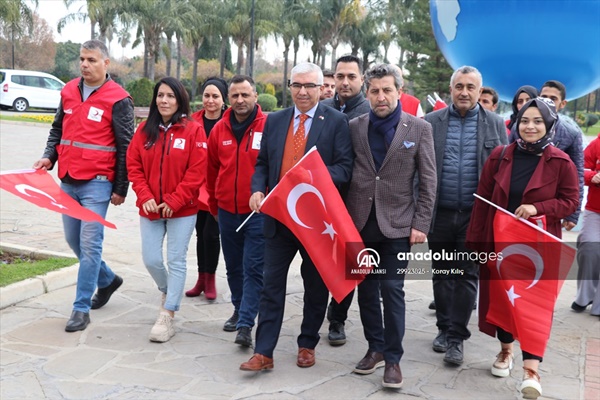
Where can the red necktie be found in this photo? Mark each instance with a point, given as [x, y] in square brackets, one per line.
[300, 133]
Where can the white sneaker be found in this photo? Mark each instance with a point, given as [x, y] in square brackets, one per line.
[531, 387]
[503, 364]
[163, 328]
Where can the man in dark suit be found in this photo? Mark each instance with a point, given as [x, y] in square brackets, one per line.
[464, 135]
[393, 151]
[287, 135]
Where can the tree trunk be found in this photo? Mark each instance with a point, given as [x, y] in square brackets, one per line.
[333, 56]
[195, 70]
[240, 57]
[286, 56]
[222, 56]
[168, 54]
[296, 49]
[146, 50]
[178, 57]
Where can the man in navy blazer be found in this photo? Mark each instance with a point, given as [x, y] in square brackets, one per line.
[287, 135]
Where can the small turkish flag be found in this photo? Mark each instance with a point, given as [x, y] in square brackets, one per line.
[307, 202]
[526, 280]
[39, 188]
[439, 104]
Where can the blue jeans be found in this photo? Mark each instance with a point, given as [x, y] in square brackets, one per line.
[178, 231]
[244, 254]
[85, 239]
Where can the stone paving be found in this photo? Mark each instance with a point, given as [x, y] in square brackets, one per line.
[113, 359]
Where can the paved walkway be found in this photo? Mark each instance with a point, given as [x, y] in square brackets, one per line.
[113, 359]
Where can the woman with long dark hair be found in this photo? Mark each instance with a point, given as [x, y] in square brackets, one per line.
[166, 162]
[208, 246]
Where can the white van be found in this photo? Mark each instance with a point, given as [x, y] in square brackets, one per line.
[21, 90]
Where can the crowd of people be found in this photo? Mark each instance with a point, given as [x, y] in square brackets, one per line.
[406, 178]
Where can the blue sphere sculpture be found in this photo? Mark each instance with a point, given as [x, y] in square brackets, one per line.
[522, 42]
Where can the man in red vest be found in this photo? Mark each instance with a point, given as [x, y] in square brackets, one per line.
[89, 138]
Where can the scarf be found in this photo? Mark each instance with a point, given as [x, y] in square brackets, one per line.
[548, 111]
[386, 127]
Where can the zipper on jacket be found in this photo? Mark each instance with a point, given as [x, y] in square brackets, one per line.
[249, 139]
[170, 140]
[463, 121]
[162, 156]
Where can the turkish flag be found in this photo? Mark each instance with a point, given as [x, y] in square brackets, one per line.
[526, 280]
[307, 202]
[39, 188]
[439, 104]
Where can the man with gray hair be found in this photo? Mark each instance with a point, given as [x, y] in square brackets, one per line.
[464, 135]
[287, 135]
[392, 212]
[89, 138]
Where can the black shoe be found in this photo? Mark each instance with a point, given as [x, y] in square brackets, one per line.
[337, 335]
[78, 321]
[230, 324]
[577, 308]
[103, 295]
[440, 343]
[454, 354]
[244, 337]
[432, 305]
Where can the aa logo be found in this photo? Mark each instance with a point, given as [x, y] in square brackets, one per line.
[368, 258]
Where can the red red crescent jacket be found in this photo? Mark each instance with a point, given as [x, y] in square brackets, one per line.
[591, 163]
[170, 171]
[231, 164]
[87, 147]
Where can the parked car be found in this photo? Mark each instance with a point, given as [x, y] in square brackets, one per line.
[21, 90]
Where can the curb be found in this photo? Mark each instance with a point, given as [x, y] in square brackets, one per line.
[33, 287]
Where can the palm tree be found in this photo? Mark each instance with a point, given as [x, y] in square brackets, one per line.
[200, 20]
[288, 29]
[17, 17]
[102, 13]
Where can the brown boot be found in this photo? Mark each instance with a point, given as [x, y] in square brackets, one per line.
[210, 290]
[199, 288]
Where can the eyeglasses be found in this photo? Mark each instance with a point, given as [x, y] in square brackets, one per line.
[307, 86]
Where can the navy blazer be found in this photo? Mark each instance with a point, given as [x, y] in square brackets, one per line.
[329, 132]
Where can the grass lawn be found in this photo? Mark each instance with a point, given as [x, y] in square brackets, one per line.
[15, 268]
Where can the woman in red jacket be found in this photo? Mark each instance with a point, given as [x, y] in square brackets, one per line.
[588, 242]
[208, 245]
[166, 163]
[528, 177]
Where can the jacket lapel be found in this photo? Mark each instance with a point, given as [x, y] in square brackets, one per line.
[398, 140]
[316, 127]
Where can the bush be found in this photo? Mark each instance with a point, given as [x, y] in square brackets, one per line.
[267, 102]
[270, 89]
[141, 92]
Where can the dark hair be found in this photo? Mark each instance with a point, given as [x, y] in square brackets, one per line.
[154, 121]
[557, 85]
[328, 73]
[242, 79]
[379, 71]
[491, 92]
[349, 58]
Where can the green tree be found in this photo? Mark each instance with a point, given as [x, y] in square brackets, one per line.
[101, 13]
[429, 71]
[16, 21]
[66, 61]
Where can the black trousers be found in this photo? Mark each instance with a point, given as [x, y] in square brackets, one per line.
[454, 281]
[208, 246]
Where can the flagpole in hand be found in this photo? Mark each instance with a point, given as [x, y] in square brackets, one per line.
[534, 226]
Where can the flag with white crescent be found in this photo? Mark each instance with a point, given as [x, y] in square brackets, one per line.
[525, 281]
[39, 188]
[307, 202]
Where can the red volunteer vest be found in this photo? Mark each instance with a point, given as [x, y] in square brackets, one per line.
[410, 104]
[87, 147]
